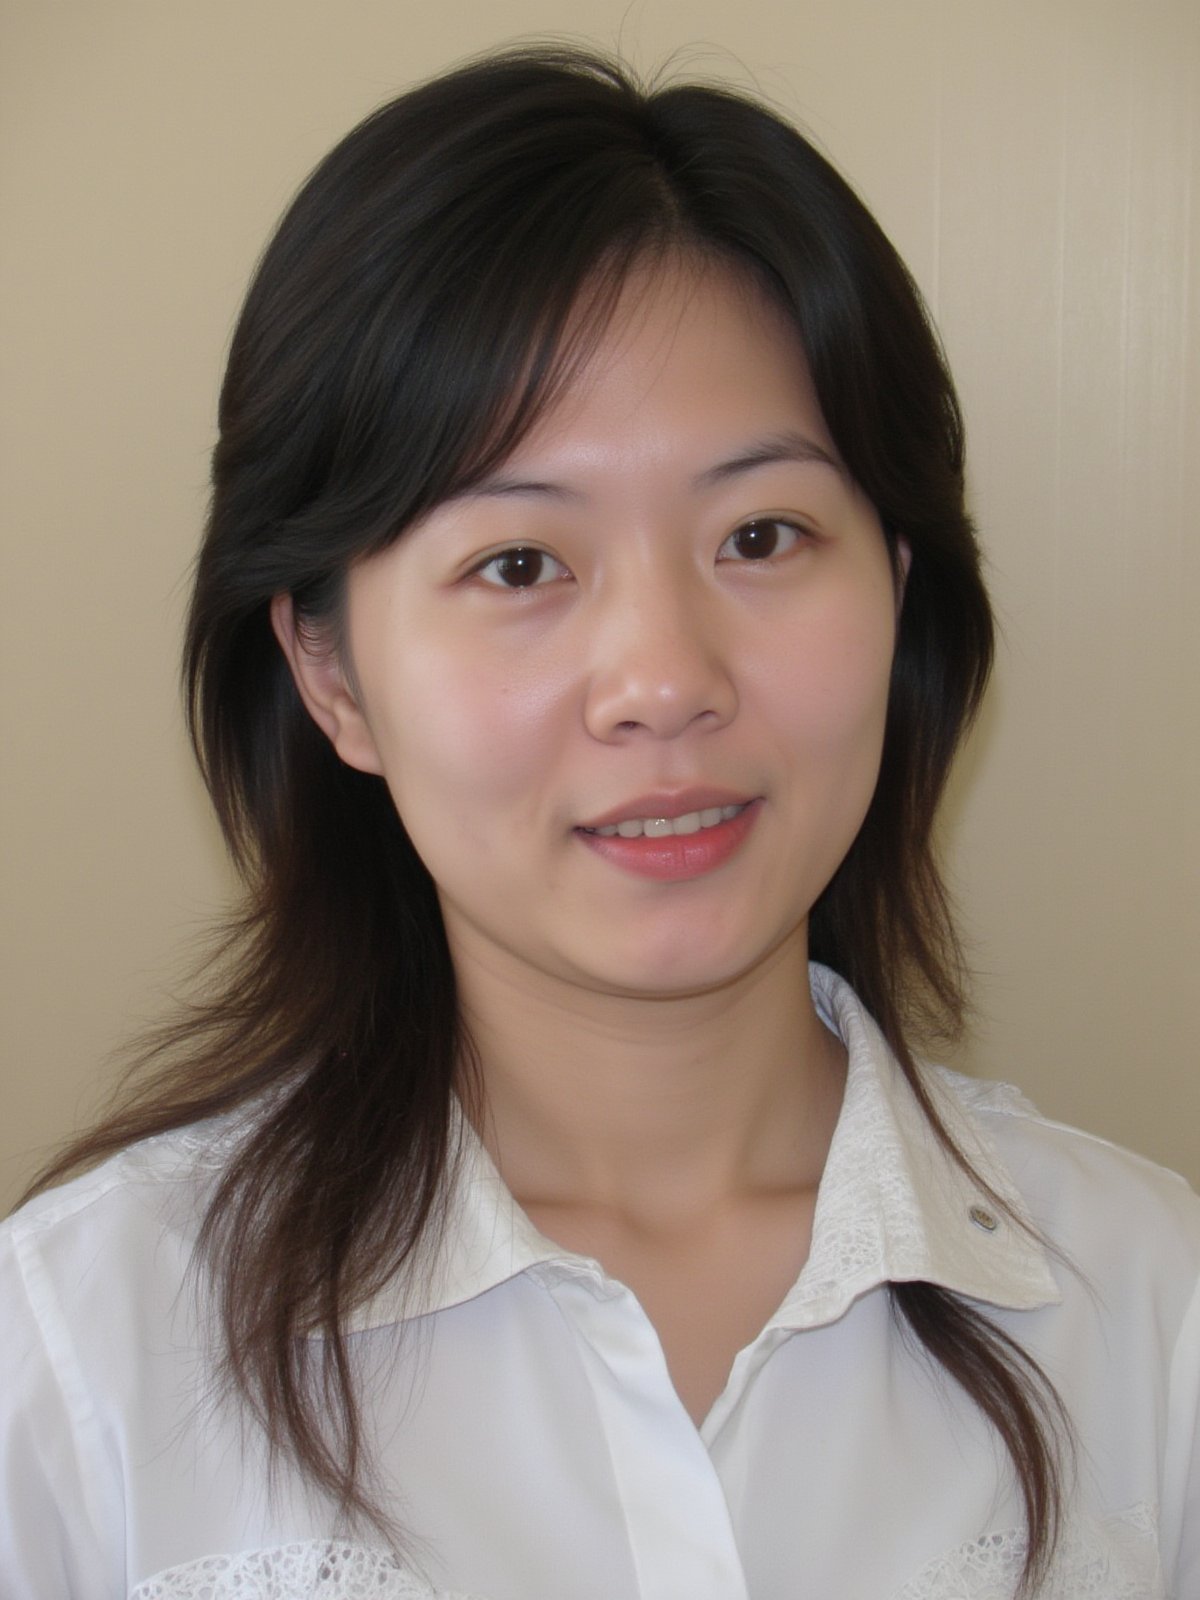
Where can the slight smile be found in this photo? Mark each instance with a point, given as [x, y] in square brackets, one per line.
[672, 838]
[661, 827]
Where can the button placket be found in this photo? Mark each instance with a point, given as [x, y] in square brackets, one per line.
[676, 1517]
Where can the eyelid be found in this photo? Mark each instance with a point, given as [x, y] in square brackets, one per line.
[478, 568]
[792, 525]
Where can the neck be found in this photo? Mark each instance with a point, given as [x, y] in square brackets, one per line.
[654, 1108]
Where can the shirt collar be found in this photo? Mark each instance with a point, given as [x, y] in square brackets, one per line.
[893, 1205]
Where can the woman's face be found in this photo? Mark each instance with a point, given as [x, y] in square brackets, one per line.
[669, 612]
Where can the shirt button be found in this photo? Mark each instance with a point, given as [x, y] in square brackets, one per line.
[983, 1219]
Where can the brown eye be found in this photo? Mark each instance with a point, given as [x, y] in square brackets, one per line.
[758, 540]
[522, 567]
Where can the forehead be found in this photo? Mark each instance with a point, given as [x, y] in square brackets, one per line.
[679, 347]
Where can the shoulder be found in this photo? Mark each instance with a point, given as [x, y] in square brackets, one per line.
[115, 1242]
[155, 1181]
[1122, 1343]
[1100, 1204]
[97, 1328]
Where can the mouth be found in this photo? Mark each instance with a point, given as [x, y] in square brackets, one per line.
[658, 827]
[672, 837]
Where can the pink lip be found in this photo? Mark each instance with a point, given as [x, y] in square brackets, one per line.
[676, 803]
[675, 857]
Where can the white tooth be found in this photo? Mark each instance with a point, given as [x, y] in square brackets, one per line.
[663, 827]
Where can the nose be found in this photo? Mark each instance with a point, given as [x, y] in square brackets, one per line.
[660, 665]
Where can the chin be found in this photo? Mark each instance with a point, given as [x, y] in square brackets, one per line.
[675, 972]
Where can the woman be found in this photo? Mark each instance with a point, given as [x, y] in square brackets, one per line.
[584, 627]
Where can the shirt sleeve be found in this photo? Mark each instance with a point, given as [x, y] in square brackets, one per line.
[60, 1517]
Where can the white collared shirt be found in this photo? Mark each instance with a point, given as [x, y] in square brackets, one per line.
[520, 1407]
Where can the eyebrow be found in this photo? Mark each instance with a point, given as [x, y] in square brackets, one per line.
[768, 451]
[498, 485]
[775, 447]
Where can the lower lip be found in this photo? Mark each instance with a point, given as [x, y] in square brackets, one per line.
[675, 856]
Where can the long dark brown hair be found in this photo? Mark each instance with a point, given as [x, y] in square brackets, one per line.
[404, 329]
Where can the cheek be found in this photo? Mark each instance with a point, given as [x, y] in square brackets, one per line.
[835, 690]
[462, 742]
[833, 724]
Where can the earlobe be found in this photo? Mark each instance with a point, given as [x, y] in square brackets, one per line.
[322, 685]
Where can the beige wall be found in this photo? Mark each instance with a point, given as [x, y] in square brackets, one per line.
[1033, 161]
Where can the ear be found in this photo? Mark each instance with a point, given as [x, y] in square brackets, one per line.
[324, 688]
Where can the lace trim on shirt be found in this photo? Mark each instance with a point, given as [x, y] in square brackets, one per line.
[1116, 1559]
[321, 1570]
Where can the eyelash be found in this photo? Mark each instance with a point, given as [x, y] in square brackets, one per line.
[776, 524]
[753, 526]
[524, 550]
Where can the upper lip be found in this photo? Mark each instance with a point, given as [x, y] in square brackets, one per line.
[667, 803]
